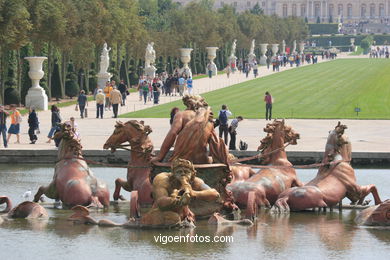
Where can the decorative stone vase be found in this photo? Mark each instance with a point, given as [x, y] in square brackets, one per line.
[36, 96]
[263, 51]
[211, 55]
[185, 57]
[352, 41]
[301, 47]
[275, 48]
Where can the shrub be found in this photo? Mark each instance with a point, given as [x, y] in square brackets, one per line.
[330, 28]
[11, 96]
[71, 86]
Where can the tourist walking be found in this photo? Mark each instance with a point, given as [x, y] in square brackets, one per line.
[82, 102]
[223, 116]
[210, 69]
[55, 121]
[227, 71]
[255, 69]
[156, 90]
[145, 90]
[268, 105]
[3, 125]
[33, 125]
[247, 69]
[189, 85]
[115, 99]
[107, 91]
[99, 103]
[181, 85]
[14, 128]
[123, 90]
[232, 131]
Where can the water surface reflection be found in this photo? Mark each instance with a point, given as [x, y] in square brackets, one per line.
[330, 235]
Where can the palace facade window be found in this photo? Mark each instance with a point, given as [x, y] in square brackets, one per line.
[294, 10]
[349, 10]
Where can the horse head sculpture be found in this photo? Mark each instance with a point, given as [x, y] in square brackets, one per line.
[134, 132]
[338, 146]
[278, 136]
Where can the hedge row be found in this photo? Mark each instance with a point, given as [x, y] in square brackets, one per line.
[344, 40]
[323, 28]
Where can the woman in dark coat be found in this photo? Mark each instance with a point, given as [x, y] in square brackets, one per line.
[33, 124]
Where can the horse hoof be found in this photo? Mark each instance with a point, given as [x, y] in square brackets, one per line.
[251, 206]
[134, 205]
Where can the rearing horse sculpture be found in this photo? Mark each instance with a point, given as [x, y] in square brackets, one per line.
[335, 179]
[137, 135]
[263, 188]
[73, 182]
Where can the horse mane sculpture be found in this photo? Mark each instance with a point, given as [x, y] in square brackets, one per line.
[263, 188]
[73, 182]
[138, 180]
[335, 179]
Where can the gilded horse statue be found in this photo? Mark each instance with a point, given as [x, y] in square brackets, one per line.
[335, 179]
[73, 182]
[137, 181]
[263, 188]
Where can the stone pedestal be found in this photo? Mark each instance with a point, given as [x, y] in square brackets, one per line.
[36, 96]
[103, 77]
[274, 49]
[263, 51]
[301, 47]
[150, 72]
[211, 55]
[185, 57]
[283, 51]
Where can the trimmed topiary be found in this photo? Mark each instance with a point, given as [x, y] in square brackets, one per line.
[11, 96]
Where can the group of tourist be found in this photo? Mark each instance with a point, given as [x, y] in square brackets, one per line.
[225, 128]
[379, 52]
[172, 84]
[110, 96]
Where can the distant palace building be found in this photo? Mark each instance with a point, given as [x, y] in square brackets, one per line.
[347, 10]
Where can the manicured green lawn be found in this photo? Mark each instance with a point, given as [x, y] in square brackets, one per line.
[328, 90]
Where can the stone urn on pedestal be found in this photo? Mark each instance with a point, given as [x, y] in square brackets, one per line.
[352, 44]
[36, 96]
[185, 57]
[263, 51]
[301, 47]
[211, 55]
[274, 49]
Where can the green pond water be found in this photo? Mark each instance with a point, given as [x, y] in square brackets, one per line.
[309, 235]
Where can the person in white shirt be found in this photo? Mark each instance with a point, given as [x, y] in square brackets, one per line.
[233, 133]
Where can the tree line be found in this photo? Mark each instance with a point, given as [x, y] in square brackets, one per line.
[71, 34]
